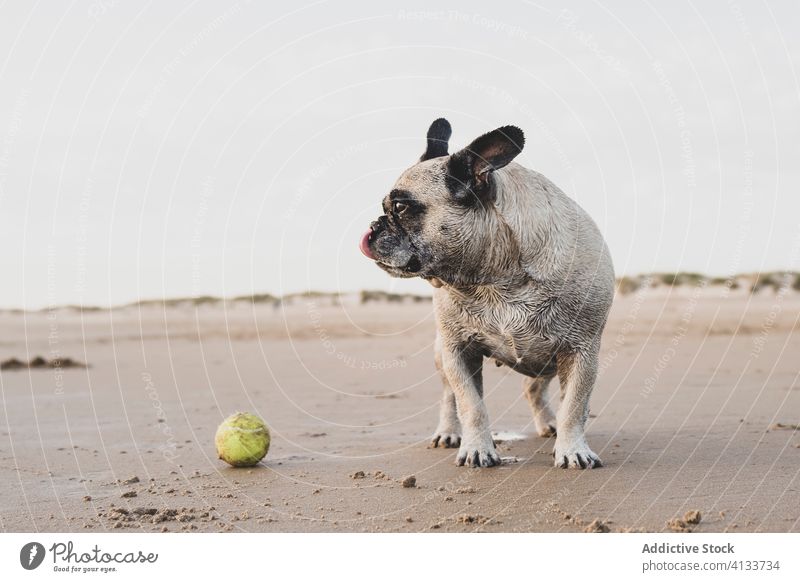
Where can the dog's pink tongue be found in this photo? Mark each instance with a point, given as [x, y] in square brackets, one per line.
[364, 244]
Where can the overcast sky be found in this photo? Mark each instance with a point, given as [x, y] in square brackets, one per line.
[152, 149]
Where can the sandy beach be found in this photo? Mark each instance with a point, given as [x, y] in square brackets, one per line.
[696, 409]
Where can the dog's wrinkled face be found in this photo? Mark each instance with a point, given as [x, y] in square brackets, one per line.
[410, 236]
[432, 224]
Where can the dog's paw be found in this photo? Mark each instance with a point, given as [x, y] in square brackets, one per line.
[575, 455]
[545, 427]
[447, 439]
[479, 453]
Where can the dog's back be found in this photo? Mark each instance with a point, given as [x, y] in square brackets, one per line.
[560, 246]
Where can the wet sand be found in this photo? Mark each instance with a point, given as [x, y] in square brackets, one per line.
[695, 409]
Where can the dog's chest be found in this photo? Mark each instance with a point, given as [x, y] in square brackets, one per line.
[510, 332]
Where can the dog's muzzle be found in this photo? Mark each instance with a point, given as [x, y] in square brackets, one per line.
[368, 243]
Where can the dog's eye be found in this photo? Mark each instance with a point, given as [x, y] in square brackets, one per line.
[399, 207]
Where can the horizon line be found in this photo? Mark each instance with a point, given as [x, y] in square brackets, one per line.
[624, 285]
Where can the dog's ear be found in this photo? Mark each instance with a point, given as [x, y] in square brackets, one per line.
[468, 170]
[438, 135]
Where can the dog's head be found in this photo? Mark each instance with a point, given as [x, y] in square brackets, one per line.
[434, 223]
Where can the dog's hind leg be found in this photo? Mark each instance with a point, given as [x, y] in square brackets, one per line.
[577, 372]
[543, 417]
[448, 433]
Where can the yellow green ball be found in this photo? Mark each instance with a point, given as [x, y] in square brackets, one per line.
[242, 440]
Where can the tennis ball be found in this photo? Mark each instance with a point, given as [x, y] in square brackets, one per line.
[242, 440]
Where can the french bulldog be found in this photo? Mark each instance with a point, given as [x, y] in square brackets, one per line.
[521, 275]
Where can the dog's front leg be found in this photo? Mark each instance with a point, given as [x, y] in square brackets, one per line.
[577, 372]
[448, 431]
[464, 368]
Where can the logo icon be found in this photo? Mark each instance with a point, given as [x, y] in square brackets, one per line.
[31, 555]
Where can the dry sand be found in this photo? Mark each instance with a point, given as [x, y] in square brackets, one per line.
[696, 409]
